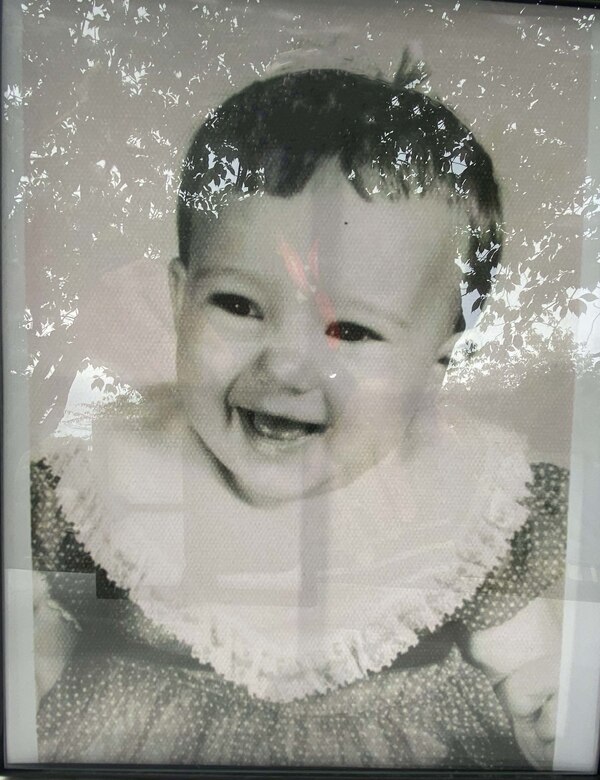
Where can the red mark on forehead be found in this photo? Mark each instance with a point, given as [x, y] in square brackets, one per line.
[296, 269]
[313, 259]
[305, 275]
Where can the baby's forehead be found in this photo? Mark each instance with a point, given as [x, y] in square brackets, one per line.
[331, 238]
[330, 211]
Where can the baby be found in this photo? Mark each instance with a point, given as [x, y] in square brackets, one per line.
[314, 561]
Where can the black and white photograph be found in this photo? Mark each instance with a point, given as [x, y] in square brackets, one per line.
[301, 340]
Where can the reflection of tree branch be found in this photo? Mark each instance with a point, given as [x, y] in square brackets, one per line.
[503, 364]
[559, 320]
[546, 306]
[589, 336]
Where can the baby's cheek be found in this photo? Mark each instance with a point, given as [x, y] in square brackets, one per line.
[376, 416]
[205, 355]
[396, 389]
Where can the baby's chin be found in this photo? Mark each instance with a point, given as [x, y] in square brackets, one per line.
[270, 491]
[275, 486]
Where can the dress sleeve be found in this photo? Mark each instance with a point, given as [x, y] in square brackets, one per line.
[537, 554]
[53, 542]
[73, 584]
[55, 547]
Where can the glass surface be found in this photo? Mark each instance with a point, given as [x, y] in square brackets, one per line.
[301, 314]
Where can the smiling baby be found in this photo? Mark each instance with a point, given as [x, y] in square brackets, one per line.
[299, 554]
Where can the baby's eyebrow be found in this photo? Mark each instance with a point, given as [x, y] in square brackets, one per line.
[375, 310]
[204, 272]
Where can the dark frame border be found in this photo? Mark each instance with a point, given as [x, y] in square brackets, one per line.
[222, 772]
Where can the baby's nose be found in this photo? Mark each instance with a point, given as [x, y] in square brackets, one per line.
[295, 370]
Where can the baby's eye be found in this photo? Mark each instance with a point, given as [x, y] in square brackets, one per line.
[352, 331]
[238, 305]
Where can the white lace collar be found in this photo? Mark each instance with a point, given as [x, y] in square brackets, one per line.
[294, 600]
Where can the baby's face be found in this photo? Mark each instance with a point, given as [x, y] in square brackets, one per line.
[309, 329]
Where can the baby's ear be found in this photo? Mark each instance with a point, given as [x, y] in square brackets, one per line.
[437, 370]
[177, 281]
[445, 351]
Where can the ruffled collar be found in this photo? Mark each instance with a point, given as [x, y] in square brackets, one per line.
[294, 600]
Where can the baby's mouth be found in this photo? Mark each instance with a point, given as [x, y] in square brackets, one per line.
[277, 428]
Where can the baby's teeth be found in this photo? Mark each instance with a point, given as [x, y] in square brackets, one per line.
[278, 427]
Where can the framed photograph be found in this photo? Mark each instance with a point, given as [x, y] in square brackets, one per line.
[301, 385]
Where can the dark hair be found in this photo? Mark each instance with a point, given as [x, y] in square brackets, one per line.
[390, 140]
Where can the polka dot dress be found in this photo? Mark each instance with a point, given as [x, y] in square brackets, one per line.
[132, 694]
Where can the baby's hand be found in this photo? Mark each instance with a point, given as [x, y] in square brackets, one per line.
[530, 695]
[521, 658]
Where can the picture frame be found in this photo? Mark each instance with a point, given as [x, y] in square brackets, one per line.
[184, 596]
